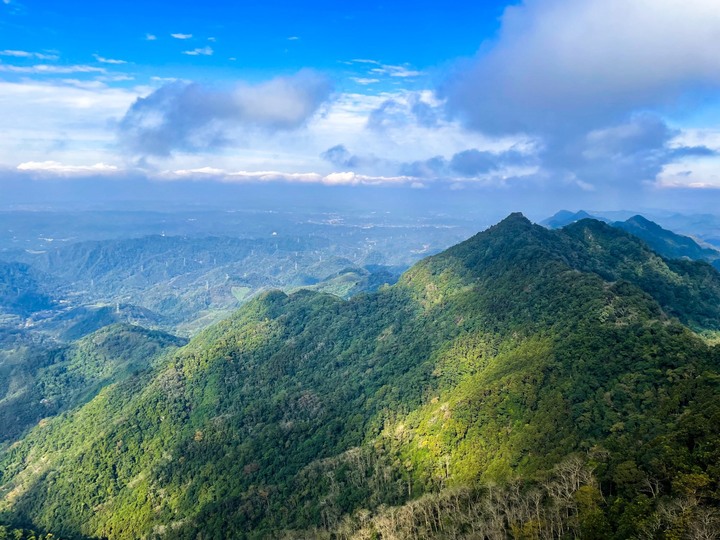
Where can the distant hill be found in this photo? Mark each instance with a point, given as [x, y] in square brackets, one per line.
[40, 379]
[183, 283]
[565, 217]
[24, 290]
[525, 383]
[664, 242]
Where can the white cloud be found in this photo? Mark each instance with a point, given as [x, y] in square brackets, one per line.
[332, 179]
[377, 68]
[364, 80]
[104, 60]
[364, 61]
[201, 51]
[61, 168]
[163, 79]
[86, 84]
[593, 59]
[396, 71]
[68, 122]
[27, 54]
[593, 81]
[51, 69]
[192, 117]
[181, 36]
[293, 38]
[150, 37]
[115, 78]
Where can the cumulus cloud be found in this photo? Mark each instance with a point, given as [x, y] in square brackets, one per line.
[342, 158]
[596, 60]
[580, 76]
[181, 36]
[624, 155]
[418, 108]
[193, 117]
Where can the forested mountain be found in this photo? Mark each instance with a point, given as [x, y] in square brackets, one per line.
[663, 241]
[667, 243]
[41, 379]
[67, 275]
[23, 290]
[564, 218]
[526, 383]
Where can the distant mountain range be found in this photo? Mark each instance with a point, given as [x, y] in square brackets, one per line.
[525, 383]
[664, 242]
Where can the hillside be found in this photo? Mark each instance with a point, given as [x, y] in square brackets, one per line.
[41, 379]
[667, 243]
[182, 284]
[664, 242]
[23, 290]
[527, 382]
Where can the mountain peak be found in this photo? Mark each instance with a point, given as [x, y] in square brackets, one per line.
[641, 220]
[566, 217]
[514, 219]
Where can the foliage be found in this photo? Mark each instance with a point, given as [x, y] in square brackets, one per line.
[39, 379]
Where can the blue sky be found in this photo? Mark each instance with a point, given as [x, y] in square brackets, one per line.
[618, 99]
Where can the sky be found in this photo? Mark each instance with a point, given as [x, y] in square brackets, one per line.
[562, 103]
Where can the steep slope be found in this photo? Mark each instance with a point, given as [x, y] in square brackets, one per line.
[667, 243]
[500, 360]
[688, 290]
[664, 242]
[23, 290]
[39, 380]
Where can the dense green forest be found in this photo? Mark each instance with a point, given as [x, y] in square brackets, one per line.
[41, 379]
[526, 383]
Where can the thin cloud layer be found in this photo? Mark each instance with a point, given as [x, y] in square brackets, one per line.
[192, 117]
[464, 165]
[58, 168]
[200, 51]
[28, 54]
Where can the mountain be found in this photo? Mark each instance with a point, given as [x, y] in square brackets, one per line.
[525, 383]
[40, 379]
[183, 283]
[23, 290]
[663, 241]
[667, 243]
[565, 217]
